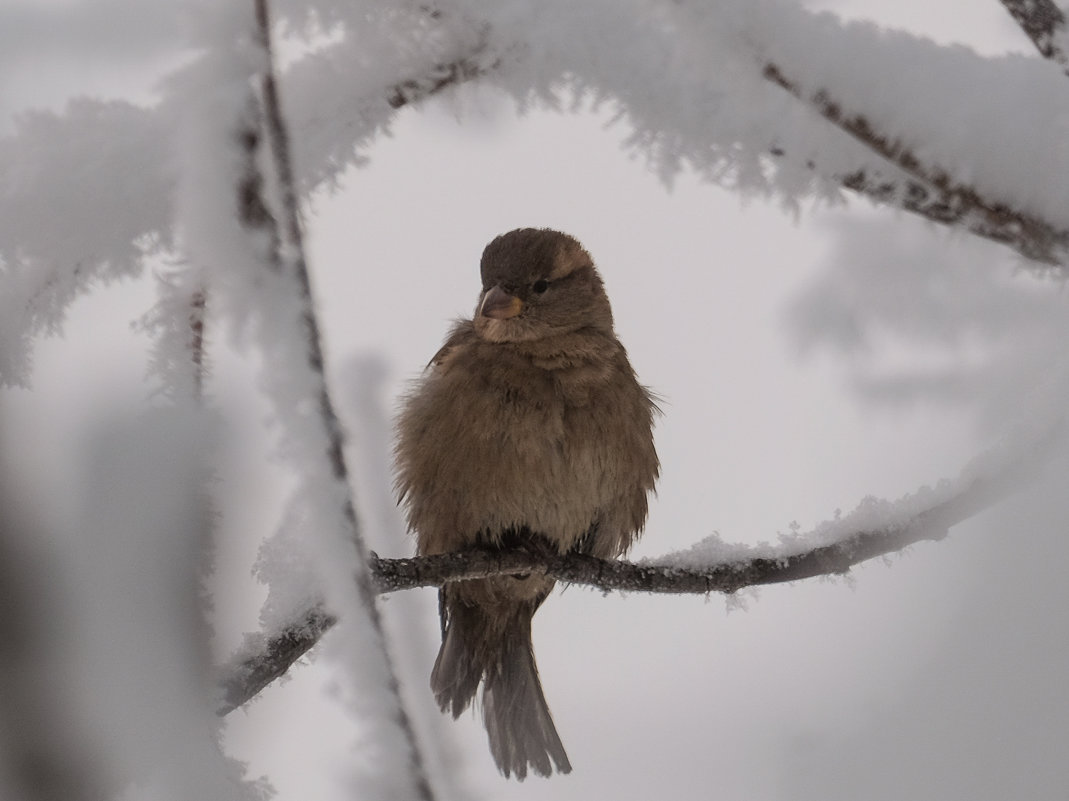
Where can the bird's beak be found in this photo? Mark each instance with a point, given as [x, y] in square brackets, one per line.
[500, 305]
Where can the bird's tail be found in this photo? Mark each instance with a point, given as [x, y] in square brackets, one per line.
[492, 644]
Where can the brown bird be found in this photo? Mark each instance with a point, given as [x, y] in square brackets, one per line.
[528, 429]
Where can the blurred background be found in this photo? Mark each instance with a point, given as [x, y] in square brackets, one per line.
[805, 361]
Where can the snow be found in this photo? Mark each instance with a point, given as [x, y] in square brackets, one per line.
[94, 189]
[685, 81]
[85, 198]
[255, 275]
[1021, 452]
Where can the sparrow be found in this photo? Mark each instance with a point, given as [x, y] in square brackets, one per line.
[527, 429]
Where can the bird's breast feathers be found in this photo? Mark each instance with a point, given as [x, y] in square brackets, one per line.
[495, 438]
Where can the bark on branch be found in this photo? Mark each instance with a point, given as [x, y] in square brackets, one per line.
[929, 192]
[1043, 22]
[441, 77]
[932, 192]
[248, 676]
[286, 255]
[727, 577]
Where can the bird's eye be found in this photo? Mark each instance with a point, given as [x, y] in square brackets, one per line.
[540, 286]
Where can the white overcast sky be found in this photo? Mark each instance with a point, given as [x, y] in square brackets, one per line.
[935, 675]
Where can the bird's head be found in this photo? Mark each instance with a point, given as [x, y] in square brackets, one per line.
[538, 283]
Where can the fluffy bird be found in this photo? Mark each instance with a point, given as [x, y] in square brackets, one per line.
[529, 428]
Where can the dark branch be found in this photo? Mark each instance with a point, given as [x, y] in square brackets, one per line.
[288, 254]
[290, 233]
[1006, 229]
[931, 524]
[609, 575]
[196, 340]
[1043, 22]
[443, 76]
[469, 66]
[245, 678]
[933, 193]
[930, 193]
[251, 675]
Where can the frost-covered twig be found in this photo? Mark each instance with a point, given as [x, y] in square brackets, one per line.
[1044, 24]
[270, 659]
[728, 576]
[1040, 242]
[607, 575]
[441, 77]
[845, 546]
[197, 307]
[120, 150]
[248, 676]
[344, 563]
[934, 194]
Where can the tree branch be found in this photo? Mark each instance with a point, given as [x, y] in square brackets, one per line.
[1041, 242]
[930, 193]
[247, 676]
[933, 193]
[287, 255]
[197, 305]
[836, 558]
[441, 77]
[1043, 22]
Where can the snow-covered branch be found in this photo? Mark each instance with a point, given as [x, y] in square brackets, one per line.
[934, 194]
[249, 674]
[931, 193]
[926, 190]
[442, 76]
[269, 659]
[686, 79]
[875, 529]
[342, 553]
[679, 574]
[496, 52]
[239, 206]
[1044, 23]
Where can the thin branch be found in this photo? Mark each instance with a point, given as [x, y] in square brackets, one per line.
[197, 304]
[441, 77]
[1044, 23]
[933, 193]
[939, 207]
[244, 679]
[291, 234]
[288, 253]
[249, 676]
[726, 577]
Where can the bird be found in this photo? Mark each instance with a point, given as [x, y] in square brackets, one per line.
[528, 429]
